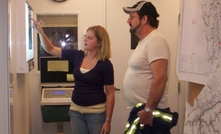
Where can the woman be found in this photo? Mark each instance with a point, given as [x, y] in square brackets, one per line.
[93, 95]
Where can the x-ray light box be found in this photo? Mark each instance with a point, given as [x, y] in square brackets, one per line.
[24, 37]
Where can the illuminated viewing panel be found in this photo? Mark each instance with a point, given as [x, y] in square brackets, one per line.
[24, 37]
[29, 32]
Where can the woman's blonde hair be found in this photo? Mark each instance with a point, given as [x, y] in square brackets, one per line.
[104, 51]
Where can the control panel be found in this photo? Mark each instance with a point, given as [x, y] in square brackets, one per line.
[56, 96]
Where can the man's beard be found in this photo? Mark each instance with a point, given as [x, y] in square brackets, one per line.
[133, 30]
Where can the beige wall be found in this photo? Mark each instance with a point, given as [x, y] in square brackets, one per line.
[194, 90]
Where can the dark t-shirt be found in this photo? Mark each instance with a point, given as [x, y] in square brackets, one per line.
[89, 86]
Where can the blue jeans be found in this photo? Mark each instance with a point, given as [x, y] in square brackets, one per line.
[86, 123]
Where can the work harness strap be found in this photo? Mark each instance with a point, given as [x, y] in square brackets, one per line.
[163, 121]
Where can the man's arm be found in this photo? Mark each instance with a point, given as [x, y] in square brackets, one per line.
[160, 77]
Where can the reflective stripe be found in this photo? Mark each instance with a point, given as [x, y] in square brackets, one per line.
[127, 126]
[164, 116]
[139, 104]
[133, 127]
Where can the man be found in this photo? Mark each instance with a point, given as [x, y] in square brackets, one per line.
[148, 67]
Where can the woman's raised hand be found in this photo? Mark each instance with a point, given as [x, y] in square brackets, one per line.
[37, 26]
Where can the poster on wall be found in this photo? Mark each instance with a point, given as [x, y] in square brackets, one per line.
[199, 43]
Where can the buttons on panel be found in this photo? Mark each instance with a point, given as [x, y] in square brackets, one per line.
[57, 93]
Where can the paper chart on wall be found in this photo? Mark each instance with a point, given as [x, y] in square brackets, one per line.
[200, 39]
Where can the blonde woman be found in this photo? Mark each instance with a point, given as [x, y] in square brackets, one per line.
[93, 95]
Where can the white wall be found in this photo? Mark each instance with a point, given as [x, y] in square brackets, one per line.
[20, 104]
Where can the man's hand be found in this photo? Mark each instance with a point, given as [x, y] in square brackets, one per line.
[145, 117]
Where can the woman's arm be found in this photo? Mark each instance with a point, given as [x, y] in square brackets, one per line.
[110, 101]
[109, 108]
[45, 42]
